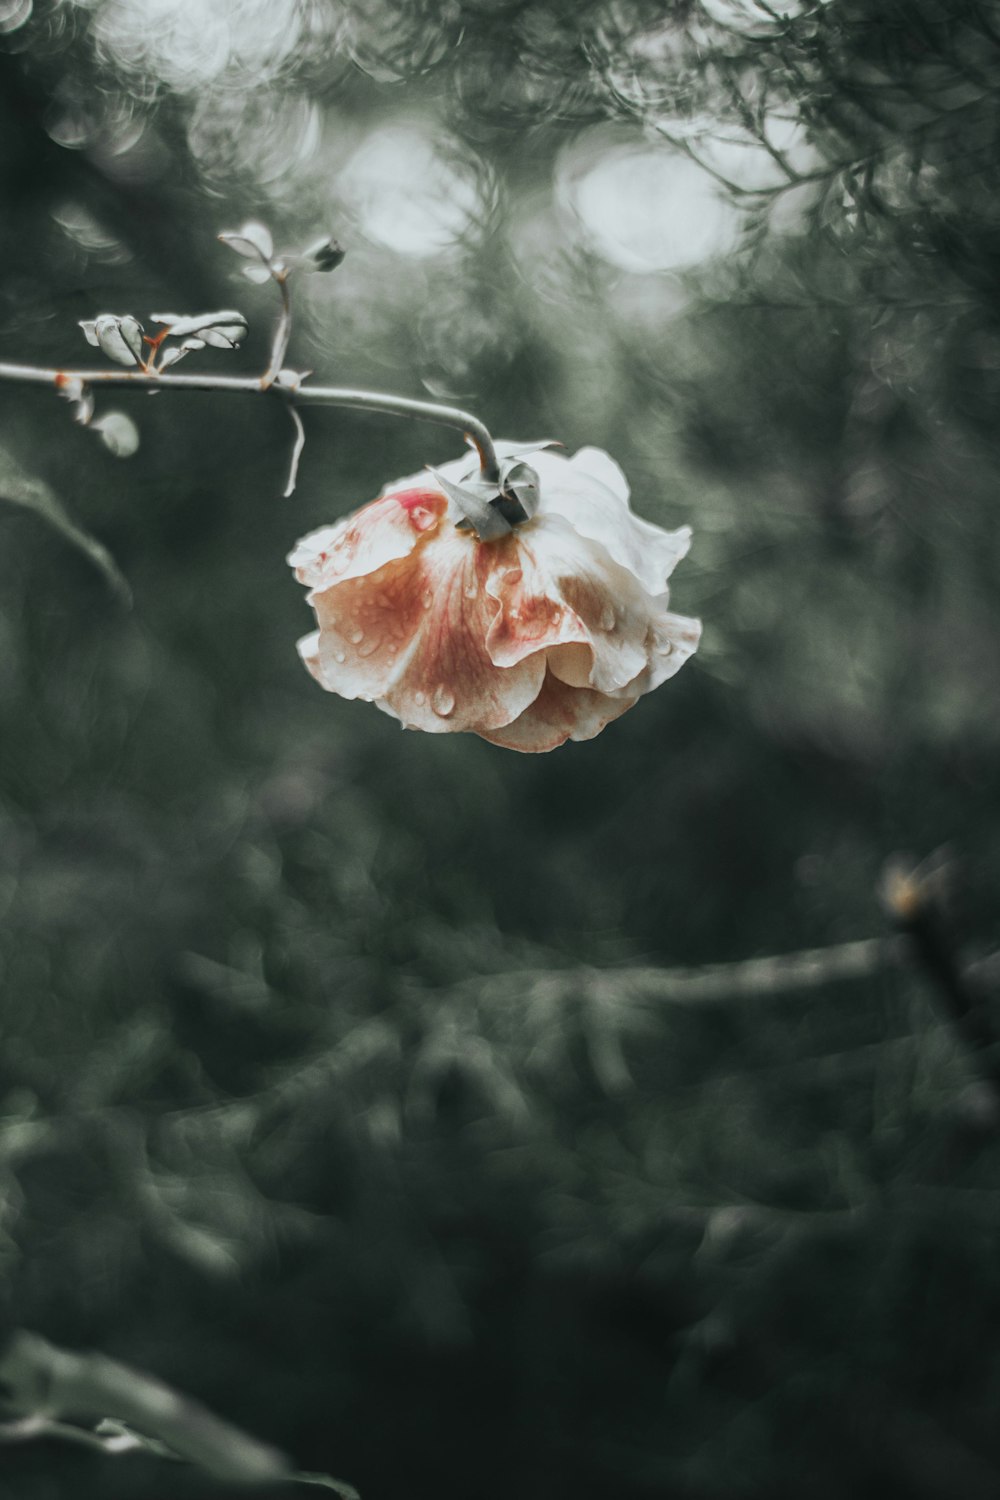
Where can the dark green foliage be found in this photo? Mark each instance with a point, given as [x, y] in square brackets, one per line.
[334, 1088]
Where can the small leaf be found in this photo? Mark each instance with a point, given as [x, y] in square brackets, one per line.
[253, 240]
[89, 327]
[120, 338]
[21, 488]
[118, 433]
[230, 327]
[259, 274]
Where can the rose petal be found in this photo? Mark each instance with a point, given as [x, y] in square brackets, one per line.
[448, 680]
[591, 492]
[570, 599]
[308, 649]
[671, 640]
[387, 529]
[558, 714]
[412, 637]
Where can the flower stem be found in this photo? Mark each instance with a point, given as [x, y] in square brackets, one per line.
[327, 395]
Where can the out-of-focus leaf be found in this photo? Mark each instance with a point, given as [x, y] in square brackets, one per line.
[118, 433]
[20, 488]
[252, 239]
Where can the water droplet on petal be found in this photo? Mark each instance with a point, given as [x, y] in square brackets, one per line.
[443, 701]
[607, 618]
[368, 647]
[664, 648]
[421, 518]
[428, 599]
[420, 699]
[470, 591]
[339, 656]
[356, 635]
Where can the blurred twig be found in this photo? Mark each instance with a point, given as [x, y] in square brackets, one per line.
[42, 1382]
[42, 1386]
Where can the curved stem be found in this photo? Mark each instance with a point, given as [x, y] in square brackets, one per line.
[283, 329]
[328, 395]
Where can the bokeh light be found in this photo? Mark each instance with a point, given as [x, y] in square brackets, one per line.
[641, 206]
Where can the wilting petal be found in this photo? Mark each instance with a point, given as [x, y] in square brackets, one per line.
[308, 648]
[569, 598]
[448, 680]
[591, 493]
[387, 529]
[558, 714]
[412, 636]
[671, 640]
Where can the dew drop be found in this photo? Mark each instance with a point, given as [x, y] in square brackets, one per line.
[607, 618]
[356, 635]
[339, 656]
[367, 648]
[443, 701]
[470, 591]
[421, 518]
[420, 699]
[428, 599]
[664, 648]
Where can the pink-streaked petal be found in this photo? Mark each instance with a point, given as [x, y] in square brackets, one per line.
[382, 532]
[591, 493]
[412, 637]
[558, 714]
[368, 626]
[568, 598]
[447, 680]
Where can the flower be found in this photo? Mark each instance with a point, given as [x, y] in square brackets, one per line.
[543, 634]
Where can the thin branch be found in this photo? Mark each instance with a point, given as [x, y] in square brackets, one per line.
[282, 330]
[325, 395]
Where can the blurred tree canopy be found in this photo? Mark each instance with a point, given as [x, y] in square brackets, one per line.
[337, 1083]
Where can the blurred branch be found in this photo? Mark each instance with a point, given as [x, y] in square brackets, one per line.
[915, 901]
[42, 1382]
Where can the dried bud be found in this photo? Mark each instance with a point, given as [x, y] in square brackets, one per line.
[325, 255]
[120, 338]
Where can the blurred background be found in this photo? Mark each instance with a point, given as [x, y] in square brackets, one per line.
[348, 1080]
